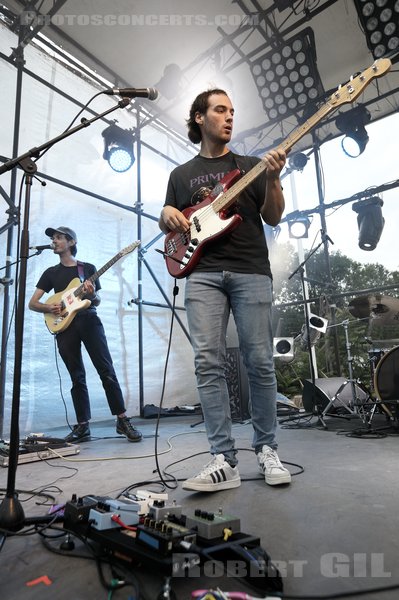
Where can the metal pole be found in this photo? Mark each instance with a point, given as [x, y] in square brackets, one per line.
[6, 302]
[316, 151]
[139, 208]
[301, 256]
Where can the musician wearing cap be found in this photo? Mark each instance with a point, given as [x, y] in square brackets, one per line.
[82, 326]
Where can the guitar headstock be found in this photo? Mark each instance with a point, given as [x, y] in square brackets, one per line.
[129, 248]
[355, 86]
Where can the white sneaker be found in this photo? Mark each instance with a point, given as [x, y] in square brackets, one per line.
[271, 467]
[216, 475]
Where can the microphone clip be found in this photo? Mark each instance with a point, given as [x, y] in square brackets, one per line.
[6, 281]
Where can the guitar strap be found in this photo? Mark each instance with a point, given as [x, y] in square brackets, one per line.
[235, 157]
[81, 271]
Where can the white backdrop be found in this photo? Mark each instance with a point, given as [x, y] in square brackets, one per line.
[102, 230]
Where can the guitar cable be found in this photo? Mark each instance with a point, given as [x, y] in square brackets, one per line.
[158, 469]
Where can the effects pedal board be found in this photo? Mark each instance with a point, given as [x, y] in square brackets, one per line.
[168, 541]
[35, 448]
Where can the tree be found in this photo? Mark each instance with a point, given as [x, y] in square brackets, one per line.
[331, 300]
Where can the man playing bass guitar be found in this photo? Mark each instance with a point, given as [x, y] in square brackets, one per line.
[232, 273]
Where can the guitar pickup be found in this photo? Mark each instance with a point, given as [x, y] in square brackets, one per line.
[59, 319]
[171, 247]
[197, 224]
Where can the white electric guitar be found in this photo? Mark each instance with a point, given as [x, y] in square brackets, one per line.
[71, 298]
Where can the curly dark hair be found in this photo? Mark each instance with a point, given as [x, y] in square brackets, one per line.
[200, 105]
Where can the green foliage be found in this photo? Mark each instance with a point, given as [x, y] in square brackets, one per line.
[333, 280]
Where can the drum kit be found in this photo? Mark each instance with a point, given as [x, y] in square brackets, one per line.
[384, 355]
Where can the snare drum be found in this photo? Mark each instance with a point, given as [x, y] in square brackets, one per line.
[386, 376]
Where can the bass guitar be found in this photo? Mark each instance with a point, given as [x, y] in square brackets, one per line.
[208, 218]
[71, 298]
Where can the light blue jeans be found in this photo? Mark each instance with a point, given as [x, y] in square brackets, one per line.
[209, 297]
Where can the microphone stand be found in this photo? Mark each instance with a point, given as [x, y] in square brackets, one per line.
[300, 269]
[12, 516]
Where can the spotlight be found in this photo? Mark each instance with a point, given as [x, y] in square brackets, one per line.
[352, 123]
[283, 349]
[298, 161]
[380, 23]
[298, 228]
[118, 148]
[286, 77]
[370, 222]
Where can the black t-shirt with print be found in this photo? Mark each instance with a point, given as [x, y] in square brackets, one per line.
[244, 249]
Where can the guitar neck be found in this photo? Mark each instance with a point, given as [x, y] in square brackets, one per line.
[230, 196]
[98, 273]
[343, 95]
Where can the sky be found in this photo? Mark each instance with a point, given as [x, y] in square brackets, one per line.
[343, 177]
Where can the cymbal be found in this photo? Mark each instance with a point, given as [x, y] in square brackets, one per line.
[382, 309]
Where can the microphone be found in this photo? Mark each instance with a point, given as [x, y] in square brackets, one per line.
[325, 236]
[150, 93]
[40, 248]
[329, 240]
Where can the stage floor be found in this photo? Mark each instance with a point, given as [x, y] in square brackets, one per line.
[334, 530]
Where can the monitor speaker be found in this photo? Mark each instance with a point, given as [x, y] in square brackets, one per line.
[319, 395]
[237, 384]
[236, 376]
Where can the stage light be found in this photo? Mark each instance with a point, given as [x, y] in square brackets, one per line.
[298, 227]
[370, 222]
[170, 83]
[380, 23]
[287, 78]
[317, 326]
[298, 161]
[118, 148]
[283, 349]
[352, 124]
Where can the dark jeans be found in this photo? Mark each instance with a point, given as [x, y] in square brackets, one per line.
[87, 328]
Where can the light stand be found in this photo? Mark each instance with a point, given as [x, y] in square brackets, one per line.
[300, 269]
[358, 403]
[12, 516]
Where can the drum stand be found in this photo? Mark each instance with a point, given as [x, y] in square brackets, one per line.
[358, 403]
